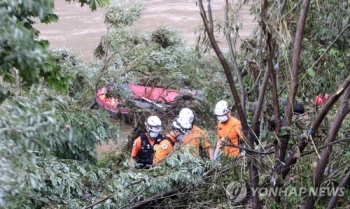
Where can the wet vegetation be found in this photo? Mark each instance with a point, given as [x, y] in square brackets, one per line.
[48, 133]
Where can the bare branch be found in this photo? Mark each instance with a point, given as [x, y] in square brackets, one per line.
[325, 145]
[250, 150]
[338, 36]
[210, 16]
[233, 57]
[257, 113]
[255, 84]
[281, 4]
[163, 195]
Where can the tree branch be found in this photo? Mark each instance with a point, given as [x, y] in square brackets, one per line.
[255, 84]
[210, 15]
[250, 150]
[233, 57]
[168, 193]
[257, 113]
[110, 195]
[281, 6]
[325, 145]
[155, 197]
[339, 35]
[271, 71]
[38, 199]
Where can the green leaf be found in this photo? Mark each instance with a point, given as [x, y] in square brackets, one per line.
[311, 72]
[341, 64]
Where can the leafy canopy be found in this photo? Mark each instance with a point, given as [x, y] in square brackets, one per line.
[22, 54]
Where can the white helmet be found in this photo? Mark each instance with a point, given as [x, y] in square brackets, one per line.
[183, 125]
[154, 124]
[186, 114]
[221, 108]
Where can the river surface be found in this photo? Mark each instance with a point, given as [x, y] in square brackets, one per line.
[80, 29]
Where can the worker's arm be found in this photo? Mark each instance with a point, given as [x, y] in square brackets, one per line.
[162, 151]
[134, 152]
[219, 144]
[211, 153]
[239, 131]
[133, 162]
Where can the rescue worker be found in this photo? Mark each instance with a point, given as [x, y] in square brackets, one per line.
[196, 138]
[143, 147]
[178, 130]
[229, 128]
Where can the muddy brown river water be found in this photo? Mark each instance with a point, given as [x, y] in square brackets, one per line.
[80, 29]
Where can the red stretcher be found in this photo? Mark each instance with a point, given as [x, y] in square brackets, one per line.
[142, 96]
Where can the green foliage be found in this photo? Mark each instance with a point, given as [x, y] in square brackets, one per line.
[323, 59]
[166, 37]
[52, 182]
[20, 48]
[120, 15]
[23, 56]
[179, 170]
[81, 90]
[37, 133]
[70, 133]
[48, 145]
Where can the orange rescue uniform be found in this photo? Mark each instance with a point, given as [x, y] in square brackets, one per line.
[195, 137]
[232, 130]
[136, 147]
[163, 149]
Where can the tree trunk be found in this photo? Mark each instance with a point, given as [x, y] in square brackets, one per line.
[294, 83]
